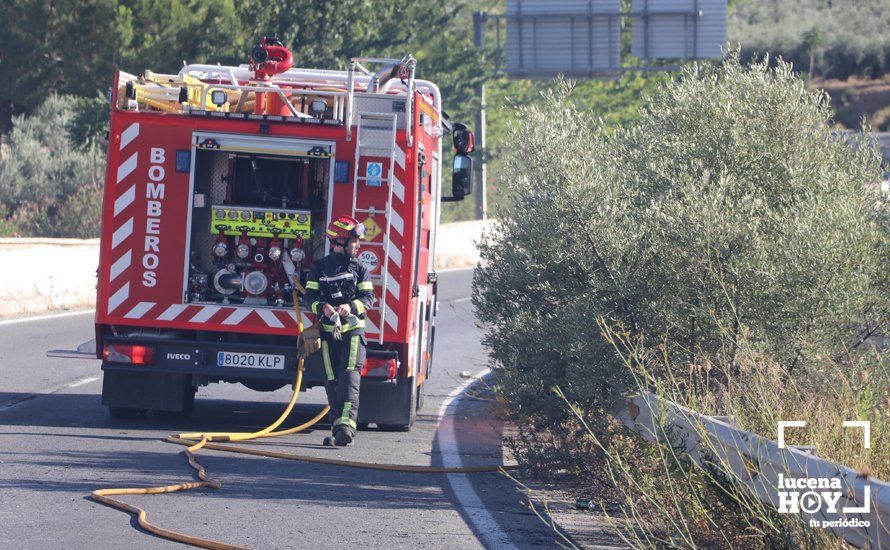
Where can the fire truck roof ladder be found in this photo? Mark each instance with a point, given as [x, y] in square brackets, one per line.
[376, 137]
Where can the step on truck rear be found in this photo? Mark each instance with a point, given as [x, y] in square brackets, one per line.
[220, 180]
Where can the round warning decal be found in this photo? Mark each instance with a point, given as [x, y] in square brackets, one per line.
[369, 259]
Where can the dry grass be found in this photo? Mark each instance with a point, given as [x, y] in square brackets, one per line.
[672, 503]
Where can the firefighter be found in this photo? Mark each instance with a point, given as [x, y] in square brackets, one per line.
[340, 291]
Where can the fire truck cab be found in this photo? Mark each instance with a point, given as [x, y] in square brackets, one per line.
[220, 183]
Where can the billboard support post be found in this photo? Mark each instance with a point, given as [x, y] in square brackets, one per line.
[479, 19]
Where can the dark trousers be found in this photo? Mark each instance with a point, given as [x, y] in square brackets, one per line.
[343, 361]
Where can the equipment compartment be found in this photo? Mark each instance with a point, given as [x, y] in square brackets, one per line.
[254, 214]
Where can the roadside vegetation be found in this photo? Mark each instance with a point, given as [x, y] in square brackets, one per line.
[52, 172]
[725, 249]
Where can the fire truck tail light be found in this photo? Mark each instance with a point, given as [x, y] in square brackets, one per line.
[376, 367]
[134, 355]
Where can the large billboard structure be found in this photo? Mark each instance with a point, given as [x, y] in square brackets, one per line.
[678, 29]
[582, 38]
[571, 37]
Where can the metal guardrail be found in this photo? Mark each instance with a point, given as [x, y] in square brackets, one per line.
[756, 462]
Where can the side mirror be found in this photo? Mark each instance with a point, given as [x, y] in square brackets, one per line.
[462, 177]
[463, 139]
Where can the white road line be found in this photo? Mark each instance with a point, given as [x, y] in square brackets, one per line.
[52, 391]
[447, 269]
[82, 381]
[459, 300]
[45, 317]
[487, 528]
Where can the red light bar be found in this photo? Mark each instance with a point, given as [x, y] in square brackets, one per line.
[132, 354]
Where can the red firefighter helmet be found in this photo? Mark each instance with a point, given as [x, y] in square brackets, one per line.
[345, 228]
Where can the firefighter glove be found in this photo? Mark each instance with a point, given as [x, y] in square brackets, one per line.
[309, 341]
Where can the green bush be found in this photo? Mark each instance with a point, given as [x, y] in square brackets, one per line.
[8, 228]
[48, 181]
[727, 242]
[729, 208]
[727, 220]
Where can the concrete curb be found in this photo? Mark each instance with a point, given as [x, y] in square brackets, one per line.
[45, 275]
[41, 275]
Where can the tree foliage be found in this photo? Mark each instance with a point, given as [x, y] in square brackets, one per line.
[70, 46]
[728, 213]
[844, 37]
[50, 186]
[74, 46]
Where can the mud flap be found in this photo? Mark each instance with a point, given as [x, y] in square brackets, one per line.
[146, 390]
[385, 402]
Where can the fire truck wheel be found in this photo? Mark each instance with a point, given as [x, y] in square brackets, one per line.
[420, 397]
[127, 413]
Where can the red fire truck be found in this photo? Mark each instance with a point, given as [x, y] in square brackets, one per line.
[219, 186]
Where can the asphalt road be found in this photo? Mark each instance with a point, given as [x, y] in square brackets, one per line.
[57, 444]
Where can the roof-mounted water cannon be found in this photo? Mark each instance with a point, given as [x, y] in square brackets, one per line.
[268, 59]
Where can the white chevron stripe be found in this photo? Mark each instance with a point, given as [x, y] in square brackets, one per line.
[237, 316]
[172, 312]
[122, 233]
[127, 166]
[306, 320]
[397, 188]
[392, 285]
[120, 265]
[395, 255]
[396, 222]
[391, 318]
[118, 297]
[205, 313]
[124, 200]
[270, 318]
[370, 327]
[400, 157]
[140, 310]
[129, 135]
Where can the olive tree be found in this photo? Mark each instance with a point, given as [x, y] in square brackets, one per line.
[729, 211]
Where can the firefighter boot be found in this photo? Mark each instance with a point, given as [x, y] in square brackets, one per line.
[343, 436]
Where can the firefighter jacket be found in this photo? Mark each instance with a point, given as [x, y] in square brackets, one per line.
[337, 279]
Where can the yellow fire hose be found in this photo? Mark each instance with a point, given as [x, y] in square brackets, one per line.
[205, 440]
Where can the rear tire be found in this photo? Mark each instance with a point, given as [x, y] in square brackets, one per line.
[420, 397]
